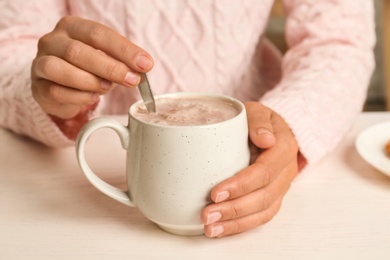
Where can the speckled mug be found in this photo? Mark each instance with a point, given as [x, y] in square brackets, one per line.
[172, 169]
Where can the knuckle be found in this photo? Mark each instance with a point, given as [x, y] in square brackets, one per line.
[72, 51]
[44, 42]
[112, 71]
[64, 22]
[267, 217]
[125, 49]
[271, 213]
[266, 176]
[266, 200]
[241, 187]
[45, 65]
[96, 34]
[234, 211]
[55, 93]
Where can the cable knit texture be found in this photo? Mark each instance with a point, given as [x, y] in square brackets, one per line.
[318, 87]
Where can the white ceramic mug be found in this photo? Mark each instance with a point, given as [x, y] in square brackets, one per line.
[172, 169]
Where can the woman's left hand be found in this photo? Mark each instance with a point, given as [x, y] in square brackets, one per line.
[254, 195]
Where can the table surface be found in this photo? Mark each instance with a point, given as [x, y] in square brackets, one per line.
[339, 208]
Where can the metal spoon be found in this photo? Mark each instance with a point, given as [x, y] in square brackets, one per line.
[147, 96]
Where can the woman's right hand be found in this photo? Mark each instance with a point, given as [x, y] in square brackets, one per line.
[78, 61]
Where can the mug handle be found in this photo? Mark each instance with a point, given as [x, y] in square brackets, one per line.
[124, 135]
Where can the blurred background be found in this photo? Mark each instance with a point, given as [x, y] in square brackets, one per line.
[378, 98]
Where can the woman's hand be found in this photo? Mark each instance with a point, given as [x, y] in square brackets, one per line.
[78, 61]
[254, 196]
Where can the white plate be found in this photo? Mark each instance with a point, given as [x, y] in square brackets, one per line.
[371, 145]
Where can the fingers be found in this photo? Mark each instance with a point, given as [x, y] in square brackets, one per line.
[63, 73]
[267, 167]
[261, 131]
[96, 49]
[243, 224]
[109, 41]
[265, 170]
[78, 61]
[62, 101]
[63, 89]
[93, 61]
[253, 202]
[253, 196]
[243, 213]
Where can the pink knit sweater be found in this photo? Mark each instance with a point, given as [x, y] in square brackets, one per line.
[213, 46]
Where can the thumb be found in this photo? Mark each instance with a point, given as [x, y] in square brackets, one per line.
[261, 131]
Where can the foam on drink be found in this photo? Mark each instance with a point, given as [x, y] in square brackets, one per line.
[188, 111]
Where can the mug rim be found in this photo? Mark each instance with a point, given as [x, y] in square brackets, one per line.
[238, 104]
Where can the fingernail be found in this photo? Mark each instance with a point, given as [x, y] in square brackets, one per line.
[213, 217]
[132, 78]
[143, 62]
[216, 230]
[221, 196]
[261, 131]
[105, 84]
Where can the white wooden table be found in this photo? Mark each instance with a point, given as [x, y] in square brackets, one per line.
[338, 209]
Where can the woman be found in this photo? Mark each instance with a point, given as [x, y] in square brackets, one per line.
[299, 107]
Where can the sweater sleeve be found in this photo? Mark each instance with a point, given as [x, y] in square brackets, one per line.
[326, 71]
[22, 23]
